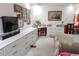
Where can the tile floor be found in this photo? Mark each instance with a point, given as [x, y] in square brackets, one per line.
[44, 47]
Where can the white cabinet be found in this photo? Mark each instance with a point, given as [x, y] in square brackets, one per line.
[11, 47]
[21, 46]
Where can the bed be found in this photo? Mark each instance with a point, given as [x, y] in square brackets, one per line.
[67, 42]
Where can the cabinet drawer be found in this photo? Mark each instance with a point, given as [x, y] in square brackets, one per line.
[17, 51]
[32, 34]
[13, 53]
[27, 44]
[1, 52]
[31, 38]
[11, 47]
[24, 38]
[25, 50]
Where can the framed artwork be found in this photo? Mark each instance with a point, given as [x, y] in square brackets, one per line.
[20, 20]
[28, 16]
[17, 8]
[24, 14]
[19, 16]
[54, 15]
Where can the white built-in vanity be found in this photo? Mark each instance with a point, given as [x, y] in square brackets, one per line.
[19, 44]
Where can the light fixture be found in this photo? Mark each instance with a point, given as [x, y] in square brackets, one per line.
[37, 10]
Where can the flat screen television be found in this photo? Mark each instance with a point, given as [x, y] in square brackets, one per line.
[9, 23]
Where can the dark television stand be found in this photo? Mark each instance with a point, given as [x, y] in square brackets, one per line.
[10, 34]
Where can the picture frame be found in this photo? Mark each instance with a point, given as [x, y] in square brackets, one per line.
[17, 8]
[20, 20]
[19, 16]
[24, 14]
[54, 15]
[28, 16]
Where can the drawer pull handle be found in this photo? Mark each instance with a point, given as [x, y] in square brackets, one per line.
[14, 46]
[14, 53]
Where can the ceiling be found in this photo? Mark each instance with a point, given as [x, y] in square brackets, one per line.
[54, 4]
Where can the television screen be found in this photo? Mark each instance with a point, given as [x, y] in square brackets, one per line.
[9, 23]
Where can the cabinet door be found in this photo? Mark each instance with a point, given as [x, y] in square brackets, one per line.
[8, 49]
[24, 46]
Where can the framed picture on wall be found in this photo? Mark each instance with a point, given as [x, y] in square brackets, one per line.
[17, 8]
[20, 20]
[19, 16]
[28, 16]
[54, 15]
[24, 14]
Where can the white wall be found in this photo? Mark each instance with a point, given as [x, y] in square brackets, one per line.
[6, 9]
[67, 15]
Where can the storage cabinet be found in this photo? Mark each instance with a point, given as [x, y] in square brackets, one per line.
[8, 49]
[21, 46]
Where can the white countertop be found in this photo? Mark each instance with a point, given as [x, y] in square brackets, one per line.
[7, 41]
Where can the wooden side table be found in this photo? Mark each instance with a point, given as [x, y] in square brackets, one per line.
[42, 31]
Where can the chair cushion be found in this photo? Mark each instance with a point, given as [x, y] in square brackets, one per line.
[64, 54]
